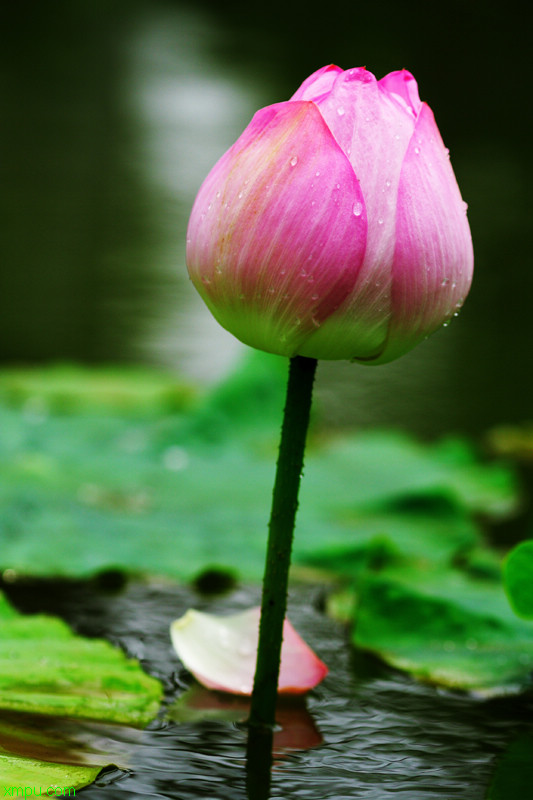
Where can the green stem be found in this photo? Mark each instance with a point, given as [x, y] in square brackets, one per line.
[281, 528]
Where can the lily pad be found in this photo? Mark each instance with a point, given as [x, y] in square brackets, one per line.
[518, 579]
[48, 673]
[198, 482]
[445, 628]
[71, 388]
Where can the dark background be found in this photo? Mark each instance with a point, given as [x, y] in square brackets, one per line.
[113, 112]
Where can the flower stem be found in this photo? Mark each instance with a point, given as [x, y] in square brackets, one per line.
[281, 529]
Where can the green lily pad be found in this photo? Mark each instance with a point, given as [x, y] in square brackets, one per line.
[96, 488]
[70, 388]
[513, 776]
[48, 673]
[423, 531]
[446, 628]
[39, 776]
[45, 667]
[518, 579]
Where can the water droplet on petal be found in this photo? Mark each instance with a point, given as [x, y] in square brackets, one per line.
[444, 281]
[294, 161]
[357, 209]
[239, 195]
[380, 221]
[417, 150]
[317, 173]
[340, 111]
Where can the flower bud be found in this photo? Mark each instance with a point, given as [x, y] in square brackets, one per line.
[334, 227]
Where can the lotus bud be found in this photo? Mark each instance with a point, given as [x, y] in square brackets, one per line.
[334, 227]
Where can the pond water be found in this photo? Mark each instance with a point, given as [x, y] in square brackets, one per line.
[113, 115]
[366, 732]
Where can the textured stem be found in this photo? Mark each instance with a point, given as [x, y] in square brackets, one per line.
[281, 528]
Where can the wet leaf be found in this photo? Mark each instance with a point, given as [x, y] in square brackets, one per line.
[96, 488]
[518, 579]
[47, 673]
[445, 628]
[513, 776]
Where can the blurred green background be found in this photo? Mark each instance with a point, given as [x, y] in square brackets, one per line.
[113, 113]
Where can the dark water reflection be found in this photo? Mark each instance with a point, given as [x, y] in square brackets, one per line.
[114, 113]
[380, 734]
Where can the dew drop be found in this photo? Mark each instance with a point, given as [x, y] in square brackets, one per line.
[294, 161]
[205, 279]
[317, 173]
[314, 296]
[357, 209]
[313, 202]
[315, 322]
[388, 184]
[417, 150]
[271, 290]
[380, 221]
[303, 274]
[340, 111]
[297, 321]
[239, 195]
[282, 271]
[465, 206]
[338, 186]
[444, 281]
[218, 194]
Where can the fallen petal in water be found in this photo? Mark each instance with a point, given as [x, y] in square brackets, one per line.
[221, 652]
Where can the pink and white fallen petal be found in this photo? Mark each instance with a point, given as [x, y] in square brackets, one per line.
[221, 652]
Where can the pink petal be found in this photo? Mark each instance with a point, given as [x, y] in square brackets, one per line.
[403, 86]
[374, 130]
[433, 258]
[277, 234]
[221, 653]
[317, 84]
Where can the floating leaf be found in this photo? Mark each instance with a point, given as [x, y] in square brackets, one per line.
[46, 671]
[513, 776]
[201, 487]
[445, 628]
[221, 652]
[518, 579]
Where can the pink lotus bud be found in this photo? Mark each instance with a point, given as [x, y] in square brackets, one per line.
[221, 652]
[334, 227]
